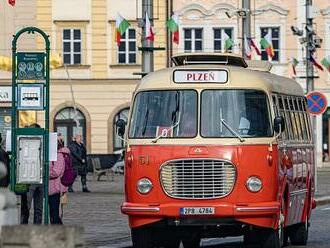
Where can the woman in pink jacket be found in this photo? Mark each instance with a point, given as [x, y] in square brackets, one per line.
[56, 171]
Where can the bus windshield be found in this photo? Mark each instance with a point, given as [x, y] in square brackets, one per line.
[171, 113]
[235, 114]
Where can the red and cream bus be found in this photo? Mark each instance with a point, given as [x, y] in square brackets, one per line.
[217, 147]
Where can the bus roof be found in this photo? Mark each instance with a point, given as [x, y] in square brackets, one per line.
[238, 77]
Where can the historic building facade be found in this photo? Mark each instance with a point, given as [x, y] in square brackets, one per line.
[96, 84]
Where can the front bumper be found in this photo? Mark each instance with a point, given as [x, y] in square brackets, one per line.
[221, 209]
[263, 214]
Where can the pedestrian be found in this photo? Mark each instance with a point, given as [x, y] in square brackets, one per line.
[35, 193]
[56, 170]
[64, 189]
[4, 158]
[79, 155]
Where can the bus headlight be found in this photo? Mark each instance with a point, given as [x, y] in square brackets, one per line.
[254, 184]
[144, 185]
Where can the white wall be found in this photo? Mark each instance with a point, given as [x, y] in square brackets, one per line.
[71, 10]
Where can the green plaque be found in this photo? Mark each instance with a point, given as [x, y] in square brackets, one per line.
[30, 66]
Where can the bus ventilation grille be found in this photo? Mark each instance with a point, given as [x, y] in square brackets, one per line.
[198, 178]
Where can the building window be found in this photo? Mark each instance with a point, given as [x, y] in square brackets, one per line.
[72, 46]
[193, 39]
[218, 35]
[127, 48]
[118, 143]
[70, 122]
[275, 37]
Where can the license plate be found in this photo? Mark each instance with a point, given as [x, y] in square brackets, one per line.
[197, 211]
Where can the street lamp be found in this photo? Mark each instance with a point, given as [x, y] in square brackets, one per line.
[297, 31]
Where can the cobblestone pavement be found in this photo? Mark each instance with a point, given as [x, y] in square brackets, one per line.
[99, 211]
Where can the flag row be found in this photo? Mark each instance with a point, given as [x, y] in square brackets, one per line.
[173, 25]
[325, 63]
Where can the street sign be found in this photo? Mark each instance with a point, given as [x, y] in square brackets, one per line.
[29, 163]
[30, 66]
[316, 103]
[30, 97]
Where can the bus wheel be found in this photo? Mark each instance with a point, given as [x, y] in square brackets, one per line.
[271, 239]
[170, 239]
[299, 234]
[142, 238]
[191, 241]
[250, 238]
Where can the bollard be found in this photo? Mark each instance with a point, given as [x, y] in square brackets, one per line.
[8, 208]
[42, 236]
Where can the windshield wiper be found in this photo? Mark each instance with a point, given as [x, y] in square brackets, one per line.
[241, 139]
[165, 133]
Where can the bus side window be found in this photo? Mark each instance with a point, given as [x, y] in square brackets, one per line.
[288, 117]
[282, 112]
[277, 111]
[275, 105]
[297, 118]
[307, 120]
[302, 119]
[293, 119]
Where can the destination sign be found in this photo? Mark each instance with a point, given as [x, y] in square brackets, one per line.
[200, 76]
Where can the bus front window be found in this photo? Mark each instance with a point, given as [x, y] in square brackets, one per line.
[246, 112]
[164, 114]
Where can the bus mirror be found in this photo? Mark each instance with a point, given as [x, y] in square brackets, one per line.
[120, 126]
[279, 124]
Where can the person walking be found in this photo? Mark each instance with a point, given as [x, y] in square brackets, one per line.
[56, 171]
[4, 158]
[79, 156]
[35, 193]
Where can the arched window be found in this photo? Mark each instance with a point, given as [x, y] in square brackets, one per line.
[69, 122]
[117, 142]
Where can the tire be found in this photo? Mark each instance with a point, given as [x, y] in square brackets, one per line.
[250, 238]
[271, 239]
[169, 238]
[299, 234]
[143, 238]
[191, 242]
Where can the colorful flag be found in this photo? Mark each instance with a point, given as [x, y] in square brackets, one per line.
[121, 26]
[294, 62]
[247, 48]
[315, 63]
[228, 41]
[173, 26]
[253, 44]
[266, 43]
[326, 62]
[150, 35]
[12, 2]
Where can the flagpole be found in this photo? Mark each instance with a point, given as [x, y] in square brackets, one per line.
[246, 24]
[147, 45]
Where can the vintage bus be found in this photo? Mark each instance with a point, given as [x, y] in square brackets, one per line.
[218, 146]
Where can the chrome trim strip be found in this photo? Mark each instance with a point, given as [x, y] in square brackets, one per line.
[256, 209]
[140, 209]
[298, 192]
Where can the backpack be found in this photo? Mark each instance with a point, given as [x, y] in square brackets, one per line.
[69, 175]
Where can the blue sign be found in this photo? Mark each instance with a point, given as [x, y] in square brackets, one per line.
[316, 103]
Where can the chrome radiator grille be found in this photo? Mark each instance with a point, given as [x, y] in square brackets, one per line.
[198, 178]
